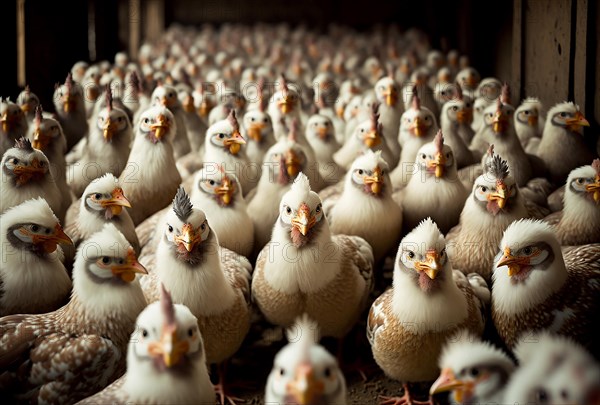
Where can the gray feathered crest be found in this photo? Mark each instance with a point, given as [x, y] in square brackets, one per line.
[24, 144]
[498, 168]
[182, 206]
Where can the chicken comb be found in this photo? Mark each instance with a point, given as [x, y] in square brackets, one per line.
[260, 87]
[596, 166]
[505, 94]
[320, 101]
[499, 168]
[490, 150]
[24, 144]
[283, 84]
[109, 97]
[459, 93]
[167, 307]
[38, 115]
[27, 90]
[416, 101]
[69, 82]
[390, 70]
[499, 104]
[134, 81]
[233, 120]
[182, 206]
[438, 141]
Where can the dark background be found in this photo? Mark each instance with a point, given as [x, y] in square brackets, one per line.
[541, 47]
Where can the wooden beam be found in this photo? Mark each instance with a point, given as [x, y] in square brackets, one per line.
[21, 77]
[134, 28]
[580, 63]
[517, 48]
[155, 19]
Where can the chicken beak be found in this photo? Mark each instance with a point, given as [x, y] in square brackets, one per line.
[303, 221]
[26, 172]
[594, 189]
[532, 120]
[225, 191]
[500, 122]
[305, 388]
[170, 348]
[40, 141]
[574, 124]
[464, 116]
[445, 382]
[438, 164]
[109, 130]
[255, 132]
[49, 242]
[292, 164]
[500, 196]
[204, 109]
[188, 238]
[471, 81]
[431, 266]
[26, 108]
[5, 122]
[161, 127]
[372, 139]
[391, 96]
[188, 104]
[286, 105]
[164, 102]
[419, 127]
[67, 104]
[117, 202]
[375, 181]
[130, 268]
[514, 264]
[322, 132]
[235, 142]
[340, 111]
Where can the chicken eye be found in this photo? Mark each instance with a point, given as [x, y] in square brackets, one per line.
[281, 372]
[212, 182]
[265, 120]
[580, 181]
[361, 171]
[527, 250]
[120, 119]
[563, 114]
[318, 209]
[474, 372]
[252, 119]
[170, 228]
[203, 226]
[97, 196]
[484, 189]
[35, 228]
[455, 108]
[288, 210]
[411, 255]
[144, 333]
[191, 332]
[526, 112]
[15, 161]
[221, 136]
[327, 372]
[146, 121]
[105, 259]
[423, 156]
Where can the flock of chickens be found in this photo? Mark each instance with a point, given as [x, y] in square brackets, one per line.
[267, 174]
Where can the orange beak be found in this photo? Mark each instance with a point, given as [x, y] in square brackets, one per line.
[375, 181]
[129, 268]
[303, 221]
[471, 81]
[419, 127]
[204, 109]
[305, 388]
[226, 191]
[292, 163]
[322, 132]
[109, 130]
[465, 116]
[445, 382]
[339, 111]
[514, 264]
[25, 173]
[286, 105]
[67, 107]
[372, 139]
[431, 266]
[438, 164]
[235, 142]
[391, 96]
[255, 131]
[500, 196]
[40, 140]
[188, 238]
[574, 124]
[594, 189]
[532, 120]
[188, 104]
[500, 122]
[170, 348]
[161, 127]
[117, 202]
[50, 241]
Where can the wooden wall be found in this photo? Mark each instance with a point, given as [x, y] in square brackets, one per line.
[556, 53]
